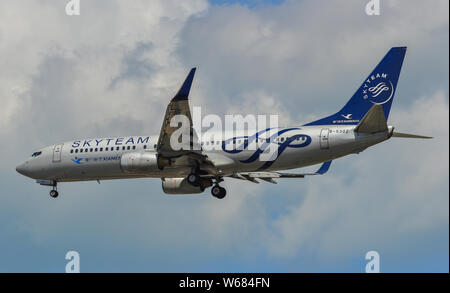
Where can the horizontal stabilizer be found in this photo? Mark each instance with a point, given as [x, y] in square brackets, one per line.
[269, 176]
[407, 135]
[324, 168]
[374, 121]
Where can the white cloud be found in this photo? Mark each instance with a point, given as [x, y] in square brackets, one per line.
[399, 191]
[112, 70]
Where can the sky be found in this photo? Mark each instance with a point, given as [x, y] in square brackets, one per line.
[112, 70]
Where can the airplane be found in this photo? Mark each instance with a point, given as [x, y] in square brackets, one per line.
[361, 123]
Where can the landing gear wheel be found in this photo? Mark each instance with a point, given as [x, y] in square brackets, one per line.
[54, 193]
[194, 179]
[218, 192]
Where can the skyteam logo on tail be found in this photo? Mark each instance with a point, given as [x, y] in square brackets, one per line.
[378, 89]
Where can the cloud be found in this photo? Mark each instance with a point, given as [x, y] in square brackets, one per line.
[312, 56]
[400, 191]
[112, 70]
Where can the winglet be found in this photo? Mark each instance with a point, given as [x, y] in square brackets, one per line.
[324, 168]
[183, 93]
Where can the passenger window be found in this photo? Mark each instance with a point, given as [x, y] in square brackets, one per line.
[128, 147]
[145, 146]
[86, 150]
[81, 150]
[117, 148]
[71, 151]
[76, 150]
[154, 146]
[101, 149]
[134, 147]
[123, 148]
[106, 149]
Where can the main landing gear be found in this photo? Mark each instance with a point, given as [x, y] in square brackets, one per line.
[194, 179]
[218, 192]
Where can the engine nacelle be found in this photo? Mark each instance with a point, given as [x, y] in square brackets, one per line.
[139, 162]
[182, 186]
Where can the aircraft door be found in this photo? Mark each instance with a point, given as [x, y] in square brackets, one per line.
[324, 139]
[57, 153]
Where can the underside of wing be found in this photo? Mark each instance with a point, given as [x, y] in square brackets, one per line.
[178, 120]
[178, 144]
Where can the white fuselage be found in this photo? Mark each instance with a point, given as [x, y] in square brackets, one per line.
[100, 159]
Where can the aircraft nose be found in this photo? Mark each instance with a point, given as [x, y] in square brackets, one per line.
[22, 169]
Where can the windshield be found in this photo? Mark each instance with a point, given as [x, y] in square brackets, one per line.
[35, 154]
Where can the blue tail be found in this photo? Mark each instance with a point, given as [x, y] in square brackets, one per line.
[378, 89]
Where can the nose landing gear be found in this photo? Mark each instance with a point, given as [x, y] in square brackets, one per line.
[54, 192]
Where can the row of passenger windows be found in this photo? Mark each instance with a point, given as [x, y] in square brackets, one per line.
[106, 149]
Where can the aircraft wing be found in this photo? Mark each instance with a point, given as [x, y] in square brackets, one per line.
[190, 154]
[179, 105]
[270, 176]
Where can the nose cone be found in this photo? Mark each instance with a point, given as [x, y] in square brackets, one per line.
[22, 169]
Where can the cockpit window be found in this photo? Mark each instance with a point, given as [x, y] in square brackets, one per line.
[35, 154]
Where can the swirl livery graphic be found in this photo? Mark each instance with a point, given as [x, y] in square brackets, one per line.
[289, 142]
[378, 89]
[244, 145]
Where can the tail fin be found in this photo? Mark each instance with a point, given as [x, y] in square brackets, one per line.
[378, 89]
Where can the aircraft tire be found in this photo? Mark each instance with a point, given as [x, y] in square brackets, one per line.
[193, 179]
[218, 192]
[54, 193]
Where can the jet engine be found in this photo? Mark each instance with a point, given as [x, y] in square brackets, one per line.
[182, 186]
[139, 162]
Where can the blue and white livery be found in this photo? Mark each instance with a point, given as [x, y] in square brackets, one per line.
[361, 123]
